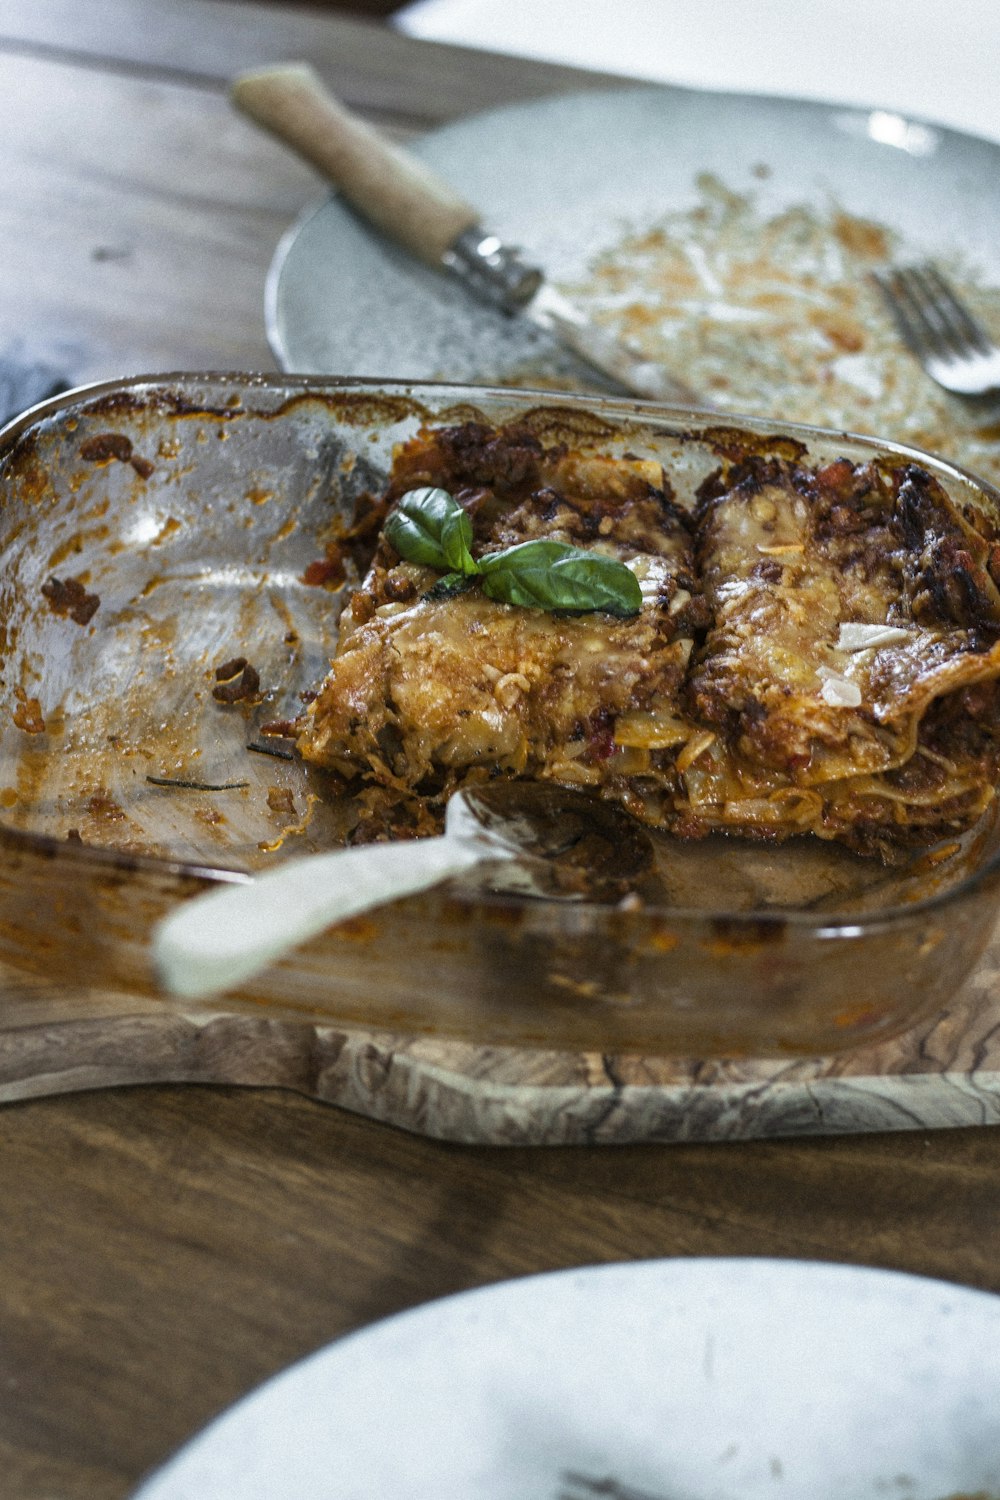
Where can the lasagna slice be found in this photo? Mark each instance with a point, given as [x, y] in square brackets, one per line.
[849, 674]
[817, 652]
[430, 687]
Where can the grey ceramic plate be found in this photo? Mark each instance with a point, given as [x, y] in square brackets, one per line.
[567, 177]
[693, 1379]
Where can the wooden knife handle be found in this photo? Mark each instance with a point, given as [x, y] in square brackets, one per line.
[388, 186]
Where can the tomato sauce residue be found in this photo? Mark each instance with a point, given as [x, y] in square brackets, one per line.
[280, 800]
[324, 572]
[105, 447]
[104, 807]
[67, 596]
[236, 681]
[28, 713]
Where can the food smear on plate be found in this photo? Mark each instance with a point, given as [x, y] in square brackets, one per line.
[775, 313]
[810, 650]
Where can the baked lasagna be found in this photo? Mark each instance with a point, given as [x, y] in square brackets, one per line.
[816, 652]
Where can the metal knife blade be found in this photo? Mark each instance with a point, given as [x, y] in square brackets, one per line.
[614, 358]
[402, 197]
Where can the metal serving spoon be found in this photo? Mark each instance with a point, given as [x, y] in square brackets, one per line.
[532, 838]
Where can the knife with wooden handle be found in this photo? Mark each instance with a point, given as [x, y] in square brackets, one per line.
[407, 201]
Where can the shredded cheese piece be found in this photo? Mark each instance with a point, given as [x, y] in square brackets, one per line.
[857, 637]
[840, 692]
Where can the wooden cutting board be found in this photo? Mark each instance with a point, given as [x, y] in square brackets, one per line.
[946, 1072]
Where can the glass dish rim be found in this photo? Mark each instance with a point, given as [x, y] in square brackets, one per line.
[826, 926]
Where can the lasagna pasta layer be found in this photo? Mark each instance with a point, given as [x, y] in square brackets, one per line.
[847, 604]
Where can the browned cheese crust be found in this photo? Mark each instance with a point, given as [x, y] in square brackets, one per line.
[817, 652]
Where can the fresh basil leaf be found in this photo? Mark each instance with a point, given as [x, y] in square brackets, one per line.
[553, 575]
[449, 586]
[429, 526]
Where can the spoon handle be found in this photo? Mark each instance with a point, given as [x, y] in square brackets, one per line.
[213, 942]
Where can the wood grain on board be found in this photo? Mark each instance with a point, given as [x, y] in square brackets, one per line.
[943, 1073]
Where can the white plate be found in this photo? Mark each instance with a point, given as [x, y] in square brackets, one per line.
[698, 1379]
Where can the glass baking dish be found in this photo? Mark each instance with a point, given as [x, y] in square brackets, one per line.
[190, 508]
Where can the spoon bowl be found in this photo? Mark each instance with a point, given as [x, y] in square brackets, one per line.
[567, 846]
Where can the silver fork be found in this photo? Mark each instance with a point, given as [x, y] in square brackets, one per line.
[953, 347]
[575, 1486]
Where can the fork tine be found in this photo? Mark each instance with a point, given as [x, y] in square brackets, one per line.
[951, 344]
[958, 316]
[913, 285]
[906, 309]
[913, 308]
[949, 327]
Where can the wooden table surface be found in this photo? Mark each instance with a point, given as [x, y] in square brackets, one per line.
[163, 1249]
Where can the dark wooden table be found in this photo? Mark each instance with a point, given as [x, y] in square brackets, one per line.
[162, 1250]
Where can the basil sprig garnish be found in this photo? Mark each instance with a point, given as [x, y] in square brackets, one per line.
[553, 575]
[429, 526]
